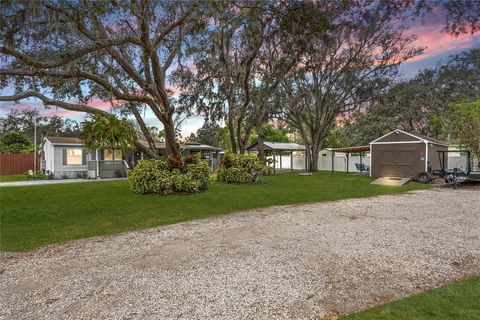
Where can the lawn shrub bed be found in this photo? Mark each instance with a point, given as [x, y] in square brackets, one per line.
[170, 175]
[241, 168]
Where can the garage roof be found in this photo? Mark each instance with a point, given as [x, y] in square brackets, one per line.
[417, 136]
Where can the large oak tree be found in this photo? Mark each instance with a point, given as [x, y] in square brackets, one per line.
[345, 69]
[67, 52]
[239, 63]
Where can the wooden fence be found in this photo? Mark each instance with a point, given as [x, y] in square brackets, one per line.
[17, 163]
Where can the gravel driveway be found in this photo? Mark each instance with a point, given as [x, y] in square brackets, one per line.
[304, 261]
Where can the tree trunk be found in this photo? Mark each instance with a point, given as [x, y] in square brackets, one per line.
[261, 151]
[313, 157]
[243, 141]
[143, 127]
[171, 144]
[314, 161]
[231, 131]
[147, 150]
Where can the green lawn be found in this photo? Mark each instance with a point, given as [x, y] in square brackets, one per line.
[37, 215]
[459, 301]
[20, 177]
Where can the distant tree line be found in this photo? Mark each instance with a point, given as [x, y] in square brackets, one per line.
[24, 122]
[421, 104]
[245, 63]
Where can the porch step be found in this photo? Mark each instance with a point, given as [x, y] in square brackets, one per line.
[391, 181]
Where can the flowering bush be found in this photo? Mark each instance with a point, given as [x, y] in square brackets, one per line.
[237, 168]
[169, 175]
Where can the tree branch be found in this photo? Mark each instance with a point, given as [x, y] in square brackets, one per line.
[71, 56]
[170, 28]
[76, 75]
[52, 102]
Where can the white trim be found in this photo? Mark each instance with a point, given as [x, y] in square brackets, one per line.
[384, 136]
[396, 131]
[371, 156]
[81, 145]
[397, 142]
[411, 135]
[64, 144]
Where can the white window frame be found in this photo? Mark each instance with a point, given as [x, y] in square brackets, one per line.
[67, 157]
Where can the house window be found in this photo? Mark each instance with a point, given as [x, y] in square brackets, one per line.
[112, 155]
[117, 155]
[74, 156]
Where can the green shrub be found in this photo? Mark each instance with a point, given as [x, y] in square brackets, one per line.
[39, 176]
[169, 175]
[236, 168]
[184, 182]
[200, 171]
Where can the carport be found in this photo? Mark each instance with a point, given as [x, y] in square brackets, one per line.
[276, 148]
[348, 151]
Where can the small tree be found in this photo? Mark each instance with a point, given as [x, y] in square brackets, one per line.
[109, 132]
[464, 123]
[15, 142]
[271, 133]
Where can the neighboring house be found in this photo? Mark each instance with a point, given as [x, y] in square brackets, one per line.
[68, 157]
[202, 151]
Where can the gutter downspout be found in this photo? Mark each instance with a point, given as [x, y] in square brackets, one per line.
[97, 169]
[370, 164]
[426, 155]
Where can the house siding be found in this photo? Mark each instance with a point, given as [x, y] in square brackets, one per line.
[70, 171]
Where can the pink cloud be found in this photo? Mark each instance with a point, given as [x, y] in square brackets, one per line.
[49, 111]
[431, 35]
[435, 41]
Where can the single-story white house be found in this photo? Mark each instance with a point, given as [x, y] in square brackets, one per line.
[67, 157]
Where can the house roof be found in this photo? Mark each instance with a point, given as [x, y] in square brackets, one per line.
[413, 134]
[158, 145]
[64, 140]
[269, 145]
[184, 146]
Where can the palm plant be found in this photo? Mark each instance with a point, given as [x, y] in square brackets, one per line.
[109, 132]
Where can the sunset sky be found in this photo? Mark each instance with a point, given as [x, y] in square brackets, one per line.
[438, 47]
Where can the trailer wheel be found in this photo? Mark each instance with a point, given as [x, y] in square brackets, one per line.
[423, 177]
[451, 179]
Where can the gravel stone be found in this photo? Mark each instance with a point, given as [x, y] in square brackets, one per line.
[292, 262]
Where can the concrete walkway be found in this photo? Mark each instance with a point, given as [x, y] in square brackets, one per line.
[47, 182]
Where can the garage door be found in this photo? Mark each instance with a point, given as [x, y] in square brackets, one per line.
[398, 163]
[406, 162]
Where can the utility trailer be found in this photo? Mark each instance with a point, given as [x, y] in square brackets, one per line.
[456, 175]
